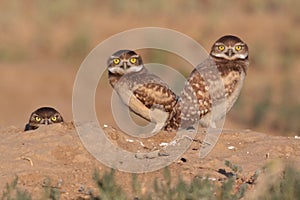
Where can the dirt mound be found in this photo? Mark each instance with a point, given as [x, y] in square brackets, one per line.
[56, 153]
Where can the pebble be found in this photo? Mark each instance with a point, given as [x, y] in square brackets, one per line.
[231, 147]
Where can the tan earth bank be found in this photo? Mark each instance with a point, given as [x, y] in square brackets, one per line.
[56, 153]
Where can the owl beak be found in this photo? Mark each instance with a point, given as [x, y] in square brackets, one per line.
[229, 53]
[125, 65]
[46, 122]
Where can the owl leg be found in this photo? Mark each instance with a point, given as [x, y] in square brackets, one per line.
[158, 127]
[213, 125]
[159, 117]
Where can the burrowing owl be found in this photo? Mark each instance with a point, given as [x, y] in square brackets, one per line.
[43, 116]
[228, 59]
[144, 93]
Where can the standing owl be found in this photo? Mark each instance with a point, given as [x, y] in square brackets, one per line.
[144, 93]
[219, 77]
[43, 116]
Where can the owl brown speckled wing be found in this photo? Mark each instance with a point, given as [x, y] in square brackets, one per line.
[155, 95]
[147, 96]
[157, 98]
[195, 100]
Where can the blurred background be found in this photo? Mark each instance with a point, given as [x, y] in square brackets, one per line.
[43, 42]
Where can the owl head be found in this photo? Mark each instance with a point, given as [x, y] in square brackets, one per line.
[124, 62]
[230, 47]
[43, 116]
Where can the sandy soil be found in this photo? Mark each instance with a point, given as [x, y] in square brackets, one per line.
[56, 153]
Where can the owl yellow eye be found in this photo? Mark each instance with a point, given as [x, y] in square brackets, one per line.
[133, 60]
[238, 47]
[53, 118]
[37, 118]
[116, 61]
[221, 47]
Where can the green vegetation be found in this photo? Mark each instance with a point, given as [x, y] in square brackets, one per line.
[12, 192]
[198, 188]
[50, 192]
[274, 183]
[108, 188]
[279, 184]
[282, 185]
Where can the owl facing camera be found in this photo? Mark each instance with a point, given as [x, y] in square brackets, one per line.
[43, 116]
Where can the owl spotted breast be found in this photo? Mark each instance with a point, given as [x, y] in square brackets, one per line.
[144, 93]
[43, 116]
[219, 77]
